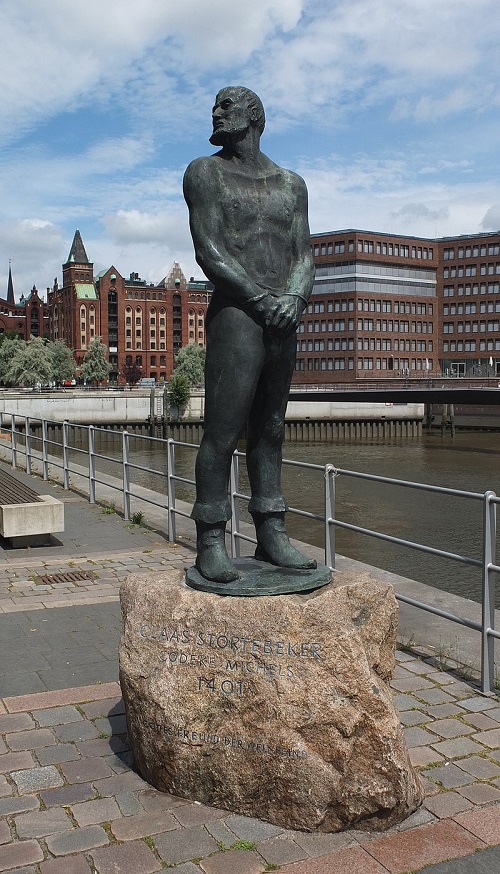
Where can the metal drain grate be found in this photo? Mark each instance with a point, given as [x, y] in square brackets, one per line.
[70, 577]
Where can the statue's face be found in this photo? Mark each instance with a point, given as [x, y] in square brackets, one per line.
[230, 116]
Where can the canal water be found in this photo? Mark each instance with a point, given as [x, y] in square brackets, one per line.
[469, 462]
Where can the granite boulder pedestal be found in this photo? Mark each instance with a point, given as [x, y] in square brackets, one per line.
[273, 707]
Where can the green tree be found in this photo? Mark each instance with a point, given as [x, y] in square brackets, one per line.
[8, 349]
[178, 390]
[191, 361]
[31, 363]
[95, 367]
[63, 363]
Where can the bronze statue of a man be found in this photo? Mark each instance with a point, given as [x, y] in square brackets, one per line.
[249, 224]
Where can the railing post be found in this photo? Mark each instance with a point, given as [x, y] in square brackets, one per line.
[235, 514]
[27, 437]
[65, 455]
[330, 474]
[171, 489]
[45, 450]
[488, 606]
[126, 477]
[13, 435]
[91, 465]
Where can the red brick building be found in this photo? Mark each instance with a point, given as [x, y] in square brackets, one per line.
[140, 323]
[28, 318]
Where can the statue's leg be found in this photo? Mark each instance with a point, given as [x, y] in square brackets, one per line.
[264, 457]
[235, 354]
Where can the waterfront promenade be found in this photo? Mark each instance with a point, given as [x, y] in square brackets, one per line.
[70, 800]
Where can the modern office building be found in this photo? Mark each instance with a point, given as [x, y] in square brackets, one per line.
[373, 311]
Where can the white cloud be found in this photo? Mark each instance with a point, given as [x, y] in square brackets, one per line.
[491, 220]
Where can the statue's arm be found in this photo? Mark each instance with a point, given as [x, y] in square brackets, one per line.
[294, 301]
[202, 185]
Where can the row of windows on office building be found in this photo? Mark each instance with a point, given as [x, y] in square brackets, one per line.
[402, 325]
[366, 363]
[471, 346]
[476, 250]
[371, 305]
[459, 309]
[370, 247]
[471, 270]
[471, 327]
[365, 343]
[471, 289]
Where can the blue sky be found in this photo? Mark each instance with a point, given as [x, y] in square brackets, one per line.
[390, 110]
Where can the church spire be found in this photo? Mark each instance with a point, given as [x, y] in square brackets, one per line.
[77, 251]
[10, 287]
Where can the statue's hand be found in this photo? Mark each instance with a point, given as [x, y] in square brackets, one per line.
[285, 315]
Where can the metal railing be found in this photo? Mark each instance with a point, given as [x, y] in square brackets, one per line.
[25, 442]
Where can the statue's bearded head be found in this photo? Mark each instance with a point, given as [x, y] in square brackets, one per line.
[235, 111]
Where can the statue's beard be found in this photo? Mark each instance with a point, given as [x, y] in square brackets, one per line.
[225, 136]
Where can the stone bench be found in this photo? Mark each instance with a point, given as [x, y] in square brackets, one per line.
[27, 518]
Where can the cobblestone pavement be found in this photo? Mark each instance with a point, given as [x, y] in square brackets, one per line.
[70, 800]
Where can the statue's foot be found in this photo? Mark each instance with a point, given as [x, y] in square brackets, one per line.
[274, 546]
[213, 563]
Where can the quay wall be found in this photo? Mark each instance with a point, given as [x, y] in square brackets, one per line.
[306, 420]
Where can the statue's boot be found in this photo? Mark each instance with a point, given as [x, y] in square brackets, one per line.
[273, 544]
[212, 560]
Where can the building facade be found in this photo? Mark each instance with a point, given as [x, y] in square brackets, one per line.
[373, 310]
[142, 324]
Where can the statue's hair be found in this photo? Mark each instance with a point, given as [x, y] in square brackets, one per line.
[253, 102]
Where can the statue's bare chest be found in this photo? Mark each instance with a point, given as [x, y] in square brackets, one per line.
[266, 200]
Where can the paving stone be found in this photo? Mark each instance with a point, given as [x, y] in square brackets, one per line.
[13, 804]
[448, 728]
[30, 740]
[77, 840]
[102, 746]
[34, 779]
[483, 823]
[16, 722]
[67, 865]
[249, 829]
[412, 850]
[406, 702]
[412, 717]
[240, 861]
[131, 827]
[104, 707]
[197, 814]
[58, 754]
[112, 724]
[129, 804]
[449, 776]
[420, 817]
[131, 858]
[281, 850]
[129, 781]
[85, 770]
[15, 762]
[481, 793]
[42, 823]
[442, 711]
[68, 795]
[92, 812]
[459, 746]
[121, 763]
[477, 704]
[413, 684]
[221, 832]
[429, 787]
[479, 767]
[422, 756]
[20, 853]
[481, 721]
[76, 731]
[187, 868]
[447, 804]
[319, 844]
[418, 737]
[435, 696]
[58, 716]
[344, 861]
[489, 738]
[5, 787]
[4, 832]
[184, 844]
[152, 799]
